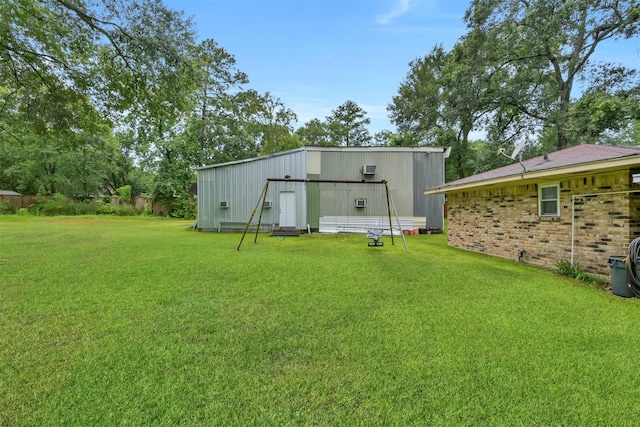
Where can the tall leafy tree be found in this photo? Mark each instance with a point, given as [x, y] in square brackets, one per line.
[70, 71]
[347, 125]
[53, 141]
[385, 138]
[445, 96]
[226, 132]
[607, 110]
[125, 168]
[544, 46]
[417, 109]
[126, 56]
[314, 132]
[275, 124]
[231, 123]
[218, 80]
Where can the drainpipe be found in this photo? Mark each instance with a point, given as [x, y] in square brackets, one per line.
[573, 208]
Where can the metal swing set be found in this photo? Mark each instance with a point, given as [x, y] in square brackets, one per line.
[375, 234]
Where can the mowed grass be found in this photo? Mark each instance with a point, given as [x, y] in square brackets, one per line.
[107, 321]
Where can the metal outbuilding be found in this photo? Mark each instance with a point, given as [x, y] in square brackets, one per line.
[228, 192]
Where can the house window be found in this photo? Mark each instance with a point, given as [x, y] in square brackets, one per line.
[549, 200]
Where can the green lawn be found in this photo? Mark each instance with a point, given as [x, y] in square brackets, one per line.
[134, 321]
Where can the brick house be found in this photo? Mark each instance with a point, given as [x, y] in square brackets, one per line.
[580, 204]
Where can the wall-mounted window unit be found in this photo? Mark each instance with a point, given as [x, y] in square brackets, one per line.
[369, 169]
[361, 203]
[224, 204]
[266, 204]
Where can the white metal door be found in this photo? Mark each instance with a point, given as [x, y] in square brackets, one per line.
[287, 209]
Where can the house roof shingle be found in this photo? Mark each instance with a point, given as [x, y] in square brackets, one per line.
[573, 156]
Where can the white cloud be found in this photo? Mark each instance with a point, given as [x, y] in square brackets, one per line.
[400, 7]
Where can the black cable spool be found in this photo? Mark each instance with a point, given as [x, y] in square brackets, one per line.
[633, 264]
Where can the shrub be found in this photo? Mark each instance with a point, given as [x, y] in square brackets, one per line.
[7, 207]
[82, 208]
[126, 210]
[147, 210]
[184, 208]
[565, 268]
[125, 193]
[59, 204]
[54, 206]
[104, 208]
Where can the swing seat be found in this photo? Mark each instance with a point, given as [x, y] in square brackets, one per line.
[375, 236]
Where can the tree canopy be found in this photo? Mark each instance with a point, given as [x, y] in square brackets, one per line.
[546, 46]
[346, 126]
[514, 76]
[96, 96]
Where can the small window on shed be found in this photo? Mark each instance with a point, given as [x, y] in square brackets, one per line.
[549, 200]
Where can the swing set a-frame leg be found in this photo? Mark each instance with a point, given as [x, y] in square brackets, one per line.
[390, 205]
[263, 195]
[386, 187]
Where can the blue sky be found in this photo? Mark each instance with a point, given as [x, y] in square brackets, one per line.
[316, 54]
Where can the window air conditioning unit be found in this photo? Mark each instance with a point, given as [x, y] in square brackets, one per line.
[369, 169]
[224, 204]
[266, 204]
[361, 203]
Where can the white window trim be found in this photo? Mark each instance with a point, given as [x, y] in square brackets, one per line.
[540, 187]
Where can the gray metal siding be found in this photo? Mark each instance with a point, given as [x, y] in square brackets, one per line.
[428, 172]
[241, 184]
[408, 173]
[206, 199]
[339, 199]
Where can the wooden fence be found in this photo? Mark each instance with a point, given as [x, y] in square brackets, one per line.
[19, 201]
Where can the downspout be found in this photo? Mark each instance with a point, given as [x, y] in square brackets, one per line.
[573, 209]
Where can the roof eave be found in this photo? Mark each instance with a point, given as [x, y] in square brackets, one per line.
[546, 174]
[417, 149]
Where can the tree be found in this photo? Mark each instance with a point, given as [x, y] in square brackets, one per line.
[275, 123]
[218, 80]
[606, 111]
[126, 57]
[544, 46]
[384, 138]
[314, 132]
[125, 168]
[71, 71]
[53, 141]
[173, 173]
[347, 125]
[417, 109]
[484, 156]
[444, 97]
[231, 123]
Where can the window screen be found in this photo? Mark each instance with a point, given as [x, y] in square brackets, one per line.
[549, 200]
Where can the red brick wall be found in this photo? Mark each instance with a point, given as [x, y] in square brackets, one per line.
[503, 220]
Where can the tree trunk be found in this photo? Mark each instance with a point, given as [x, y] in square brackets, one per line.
[563, 116]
